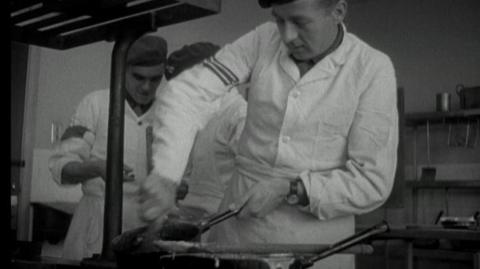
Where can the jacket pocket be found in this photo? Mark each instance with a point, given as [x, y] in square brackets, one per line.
[332, 133]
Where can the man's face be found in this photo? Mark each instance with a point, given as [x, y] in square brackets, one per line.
[306, 27]
[142, 82]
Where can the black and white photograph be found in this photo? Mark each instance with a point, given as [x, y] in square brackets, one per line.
[244, 134]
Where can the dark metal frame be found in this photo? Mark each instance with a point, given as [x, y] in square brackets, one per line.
[64, 24]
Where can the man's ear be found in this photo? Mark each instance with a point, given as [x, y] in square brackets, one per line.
[340, 10]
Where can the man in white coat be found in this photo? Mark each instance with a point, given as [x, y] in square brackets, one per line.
[80, 157]
[320, 138]
[212, 158]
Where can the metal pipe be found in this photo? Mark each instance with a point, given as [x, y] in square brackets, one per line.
[429, 161]
[449, 137]
[467, 135]
[114, 178]
[477, 133]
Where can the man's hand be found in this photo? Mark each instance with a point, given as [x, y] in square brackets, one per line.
[157, 198]
[264, 197]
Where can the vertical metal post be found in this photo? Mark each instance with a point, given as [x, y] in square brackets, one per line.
[415, 165]
[414, 190]
[116, 117]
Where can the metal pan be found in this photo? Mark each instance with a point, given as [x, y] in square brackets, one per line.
[182, 254]
[261, 256]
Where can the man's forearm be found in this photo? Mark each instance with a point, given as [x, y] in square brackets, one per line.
[78, 172]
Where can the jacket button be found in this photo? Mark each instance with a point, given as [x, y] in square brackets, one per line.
[295, 94]
[285, 139]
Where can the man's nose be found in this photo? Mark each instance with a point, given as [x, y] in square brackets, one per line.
[290, 32]
[146, 85]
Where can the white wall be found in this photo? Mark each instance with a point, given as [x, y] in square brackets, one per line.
[434, 44]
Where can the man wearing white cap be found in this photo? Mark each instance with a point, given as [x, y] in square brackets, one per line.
[320, 138]
[80, 156]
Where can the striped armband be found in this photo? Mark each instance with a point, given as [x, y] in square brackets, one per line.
[221, 71]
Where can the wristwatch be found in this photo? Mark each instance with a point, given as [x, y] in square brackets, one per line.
[293, 196]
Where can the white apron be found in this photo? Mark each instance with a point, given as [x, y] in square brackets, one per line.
[85, 234]
[286, 225]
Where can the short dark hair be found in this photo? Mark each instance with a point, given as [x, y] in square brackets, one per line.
[148, 50]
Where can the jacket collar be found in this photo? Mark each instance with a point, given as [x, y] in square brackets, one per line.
[338, 56]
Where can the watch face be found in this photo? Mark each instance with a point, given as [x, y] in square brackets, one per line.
[292, 199]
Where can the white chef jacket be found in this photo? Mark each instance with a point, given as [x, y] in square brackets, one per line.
[212, 159]
[336, 127]
[85, 234]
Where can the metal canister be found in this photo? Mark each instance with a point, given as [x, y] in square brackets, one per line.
[443, 102]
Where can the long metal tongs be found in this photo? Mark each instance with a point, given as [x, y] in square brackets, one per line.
[302, 263]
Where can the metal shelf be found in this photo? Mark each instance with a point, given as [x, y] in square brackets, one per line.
[430, 233]
[63, 24]
[414, 119]
[441, 184]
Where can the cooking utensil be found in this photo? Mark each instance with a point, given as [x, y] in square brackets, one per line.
[443, 102]
[463, 223]
[136, 248]
[261, 256]
[477, 133]
[451, 222]
[469, 96]
[179, 247]
[264, 259]
[177, 229]
[341, 245]
[472, 133]
[428, 172]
